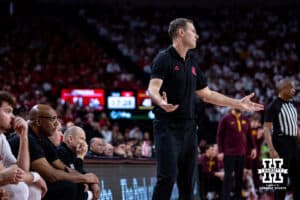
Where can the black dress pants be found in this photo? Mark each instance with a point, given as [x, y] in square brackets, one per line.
[176, 154]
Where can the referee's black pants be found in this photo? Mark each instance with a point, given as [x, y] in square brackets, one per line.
[297, 178]
[286, 147]
[176, 154]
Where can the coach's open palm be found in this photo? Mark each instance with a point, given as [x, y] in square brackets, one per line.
[247, 105]
[165, 105]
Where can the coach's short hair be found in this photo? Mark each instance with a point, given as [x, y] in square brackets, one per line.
[8, 98]
[177, 24]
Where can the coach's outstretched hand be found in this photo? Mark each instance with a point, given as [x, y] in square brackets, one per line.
[165, 105]
[247, 105]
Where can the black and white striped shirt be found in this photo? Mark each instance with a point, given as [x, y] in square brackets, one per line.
[283, 115]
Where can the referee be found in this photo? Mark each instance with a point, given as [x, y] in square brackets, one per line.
[281, 120]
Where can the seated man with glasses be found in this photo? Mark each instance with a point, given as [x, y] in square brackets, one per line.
[62, 182]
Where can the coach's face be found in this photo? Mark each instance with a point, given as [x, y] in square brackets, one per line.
[190, 36]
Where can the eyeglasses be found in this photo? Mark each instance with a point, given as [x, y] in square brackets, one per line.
[52, 119]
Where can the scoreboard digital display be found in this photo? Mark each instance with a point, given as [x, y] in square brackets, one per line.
[118, 104]
[123, 100]
[95, 98]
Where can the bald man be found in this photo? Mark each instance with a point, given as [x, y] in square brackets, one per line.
[281, 132]
[61, 180]
[72, 152]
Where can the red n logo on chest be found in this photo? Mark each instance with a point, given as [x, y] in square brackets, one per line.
[176, 68]
[194, 72]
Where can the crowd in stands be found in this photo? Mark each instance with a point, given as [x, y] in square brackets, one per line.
[240, 51]
[133, 145]
[36, 65]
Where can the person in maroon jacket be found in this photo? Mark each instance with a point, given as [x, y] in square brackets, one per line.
[210, 174]
[257, 132]
[233, 133]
